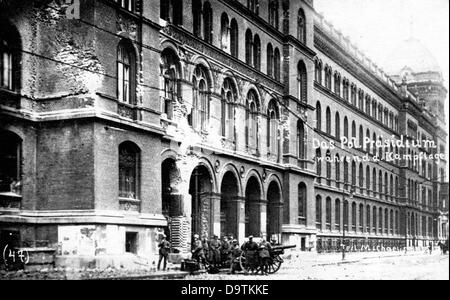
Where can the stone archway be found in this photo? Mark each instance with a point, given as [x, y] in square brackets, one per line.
[274, 211]
[231, 216]
[202, 206]
[253, 207]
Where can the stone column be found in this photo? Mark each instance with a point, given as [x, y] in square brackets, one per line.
[215, 213]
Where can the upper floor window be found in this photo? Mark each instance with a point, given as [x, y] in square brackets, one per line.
[170, 72]
[318, 116]
[274, 18]
[248, 47]
[9, 57]
[225, 33]
[234, 38]
[170, 10]
[257, 53]
[301, 26]
[328, 121]
[126, 70]
[302, 82]
[368, 104]
[272, 134]
[277, 64]
[302, 203]
[337, 83]
[270, 60]
[328, 72]
[129, 4]
[229, 96]
[252, 111]
[345, 90]
[200, 102]
[207, 23]
[301, 142]
[318, 71]
[353, 94]
[361, 99]
[10, 163]
[253, 5]
[196, 16]
[129, 160]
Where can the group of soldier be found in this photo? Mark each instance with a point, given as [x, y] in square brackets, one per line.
[227, 251]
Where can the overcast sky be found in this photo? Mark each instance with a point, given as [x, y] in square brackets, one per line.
[377, 26]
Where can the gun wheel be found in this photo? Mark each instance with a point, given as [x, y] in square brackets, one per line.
[275, 265]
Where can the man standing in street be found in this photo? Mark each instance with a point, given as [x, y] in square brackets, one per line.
[164, 248]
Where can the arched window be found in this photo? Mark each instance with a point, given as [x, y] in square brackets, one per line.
[252, 110]
[171, 10]
[319, 212]
[374, 148]
[272, 134]
[253, 5]
[10, 163]
[346, 208]
[328, 213]
[207, 23]
[386, 186]
[302, 206]
[361, 100]
[328, 165]
[318, 71]
[201, 95]
[277, 64]
[353, 94]
[380, 220]
[301, 26]
[361, 217]
[337, 167]
[354, 131]
[361, 178]
[337, 84]
[346, 128]
[345, 173]
[319, 165]
[225, 33]
[129, 160]
[368, 180]
[234, 36]
[229, 96]
[302, 82]
[126, 68]
[6, 60]
[274, 18]
[368, 218]
[368, 104]
[196, 16]
[328, 72]
[345, 89]
[374, 109]
[380, 113]
[337, 215]
[353, 174]
[337, 126]
[386, 220]
[170, 73]
[361, 138]
[318, 116]
[374, 183]
[367, 147]
[374, 219]
[301, 142]
[257, 53]
[391, 222]
[270, 60]
[353, 216]
[380, 183]
[328, 121]
[249, 47]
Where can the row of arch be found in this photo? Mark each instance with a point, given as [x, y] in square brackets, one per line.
[357, 97]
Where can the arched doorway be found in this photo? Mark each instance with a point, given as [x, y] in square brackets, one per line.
[253, 207]
[274, 204]
[229, 212]
[200, 189]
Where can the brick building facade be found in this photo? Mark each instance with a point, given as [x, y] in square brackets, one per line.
[136, 120]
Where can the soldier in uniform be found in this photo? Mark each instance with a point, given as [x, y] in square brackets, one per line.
[250, 249]
[235, 255]
[198, 251]
[164, 248]
[264, 256]
[214, 251]
[205, 245]
[225, 250]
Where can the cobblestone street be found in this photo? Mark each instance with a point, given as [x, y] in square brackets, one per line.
[409, 267]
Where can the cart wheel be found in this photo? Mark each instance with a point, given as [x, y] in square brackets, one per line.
[246, 268]
[275, 265]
